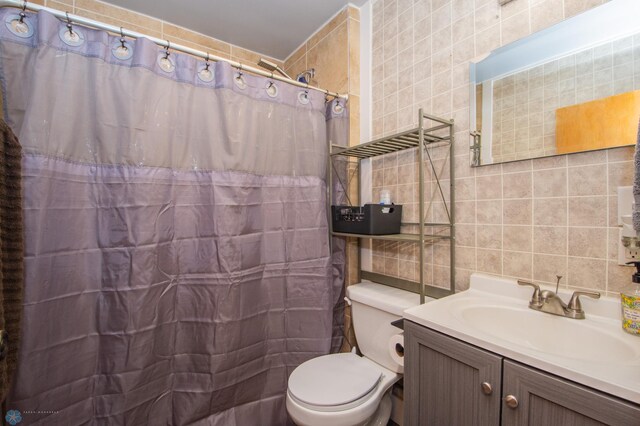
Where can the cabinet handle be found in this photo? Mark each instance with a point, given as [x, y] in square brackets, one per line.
[511, 401]
[487, 389]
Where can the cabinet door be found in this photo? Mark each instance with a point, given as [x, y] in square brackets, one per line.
[444, 380]
[543, 399]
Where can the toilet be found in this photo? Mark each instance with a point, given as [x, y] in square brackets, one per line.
[345, 389]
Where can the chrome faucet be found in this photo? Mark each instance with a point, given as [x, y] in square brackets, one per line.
[549, 301]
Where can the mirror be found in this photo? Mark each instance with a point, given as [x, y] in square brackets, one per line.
[570, 88]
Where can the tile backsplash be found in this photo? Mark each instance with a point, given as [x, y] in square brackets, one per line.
[530, 219]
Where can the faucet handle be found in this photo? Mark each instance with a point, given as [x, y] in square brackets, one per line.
[535, 297]
[574, 303]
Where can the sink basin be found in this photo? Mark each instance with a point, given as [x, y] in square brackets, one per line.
[568, 338]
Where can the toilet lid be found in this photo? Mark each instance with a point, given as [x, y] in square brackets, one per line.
[332, 380]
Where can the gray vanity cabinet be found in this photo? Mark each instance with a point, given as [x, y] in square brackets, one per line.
[449, 382]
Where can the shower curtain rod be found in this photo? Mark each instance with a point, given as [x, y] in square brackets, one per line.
[163, 43]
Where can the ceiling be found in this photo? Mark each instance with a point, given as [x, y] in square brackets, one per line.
[271, 27]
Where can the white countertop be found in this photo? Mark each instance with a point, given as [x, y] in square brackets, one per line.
[595, 352]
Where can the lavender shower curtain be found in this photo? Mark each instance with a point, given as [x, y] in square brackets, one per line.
[177, 254]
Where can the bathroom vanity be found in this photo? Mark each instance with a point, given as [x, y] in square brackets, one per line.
[482, 357]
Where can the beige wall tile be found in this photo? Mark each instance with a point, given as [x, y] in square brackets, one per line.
[515, 27]
[550, 211]
[517, 185]
[588, 180]
[170, 30]
[466, 235]
[354, 57]
[517, 212]
[550, 240]
[490, 261]
[619, 278]
[587, 273]
[119, 23]
[487, 16]
[489, 187]
[545, 14]
[489, 212]
[620, 174]
[588, 242]
[353, 13]
[588, 211]
[330, 55]
[64, 5]
[517, 264]
[466, 212]
[620, 154]
[489, 236]
[517, 238]
[465, 257]
[550, 183]
[547, 267]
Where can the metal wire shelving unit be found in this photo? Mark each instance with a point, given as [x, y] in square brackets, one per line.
[431, 132]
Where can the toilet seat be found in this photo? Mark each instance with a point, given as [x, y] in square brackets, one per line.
[333, 382]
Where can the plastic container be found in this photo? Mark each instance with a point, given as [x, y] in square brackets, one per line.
[385, 197]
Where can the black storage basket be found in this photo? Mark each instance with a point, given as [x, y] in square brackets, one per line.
[371, 219]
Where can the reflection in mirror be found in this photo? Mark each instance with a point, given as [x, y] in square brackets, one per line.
[571, 88]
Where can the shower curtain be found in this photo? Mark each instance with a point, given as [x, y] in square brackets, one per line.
[177, 260]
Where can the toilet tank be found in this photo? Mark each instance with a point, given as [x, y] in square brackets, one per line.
[374, 307]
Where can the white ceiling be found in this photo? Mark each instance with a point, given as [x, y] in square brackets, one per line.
[271, 27]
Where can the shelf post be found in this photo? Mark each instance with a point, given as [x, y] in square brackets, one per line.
[329, 196]
[452, 209]
[421, 148]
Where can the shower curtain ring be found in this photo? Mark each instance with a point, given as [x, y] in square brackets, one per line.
[166, 50]
[122, 39]
[69, 26]
[23, 14]
[206, 63]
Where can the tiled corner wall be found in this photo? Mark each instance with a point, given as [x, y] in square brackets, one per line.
[529, 219]
[114, 15]
[524, 120]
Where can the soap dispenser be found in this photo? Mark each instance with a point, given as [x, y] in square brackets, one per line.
[631, 304]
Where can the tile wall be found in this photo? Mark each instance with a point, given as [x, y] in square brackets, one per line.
[529, 219]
